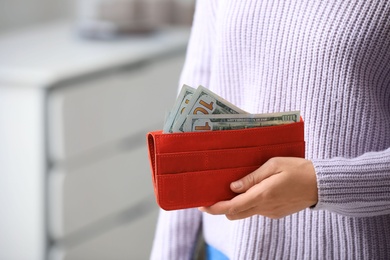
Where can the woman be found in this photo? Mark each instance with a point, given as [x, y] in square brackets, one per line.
[330, 60]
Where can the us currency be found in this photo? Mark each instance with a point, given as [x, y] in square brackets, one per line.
[197, 123]
[180, 104]
[205, 102]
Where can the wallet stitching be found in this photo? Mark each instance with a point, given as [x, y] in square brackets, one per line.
[207, 162]
[184, 192]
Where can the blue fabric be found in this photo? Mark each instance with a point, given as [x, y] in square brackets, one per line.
[214, 254]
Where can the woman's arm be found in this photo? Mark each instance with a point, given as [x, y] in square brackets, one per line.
[358, 187]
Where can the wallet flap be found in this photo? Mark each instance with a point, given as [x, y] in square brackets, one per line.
[168, 163]
[228, 139]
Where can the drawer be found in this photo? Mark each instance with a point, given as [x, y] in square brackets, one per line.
[131, 241]
[94, 112]
[82, 197]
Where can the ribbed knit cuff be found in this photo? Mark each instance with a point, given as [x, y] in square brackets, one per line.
[358, 187]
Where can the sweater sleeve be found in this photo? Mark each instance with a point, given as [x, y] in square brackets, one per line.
[177, 231]
[357, 187]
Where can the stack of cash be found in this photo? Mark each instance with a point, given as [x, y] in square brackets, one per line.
[200, 109]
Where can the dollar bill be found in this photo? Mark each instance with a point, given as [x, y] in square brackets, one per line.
[197, 123]
[180, 104]
[205, 102]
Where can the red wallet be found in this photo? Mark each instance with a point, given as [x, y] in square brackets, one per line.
[196, 168]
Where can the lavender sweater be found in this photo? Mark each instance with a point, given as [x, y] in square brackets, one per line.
[330, 59]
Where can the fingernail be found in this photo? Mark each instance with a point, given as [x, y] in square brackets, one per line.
[237, 185]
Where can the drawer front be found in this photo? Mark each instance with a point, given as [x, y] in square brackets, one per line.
[80, 198]
[92, 114]
[131, 241]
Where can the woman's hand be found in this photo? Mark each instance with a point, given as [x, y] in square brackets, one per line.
[280, 187]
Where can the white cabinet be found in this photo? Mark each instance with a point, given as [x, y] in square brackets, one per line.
[115, 105]
[83, 196]
[134, 238]
[75, 181]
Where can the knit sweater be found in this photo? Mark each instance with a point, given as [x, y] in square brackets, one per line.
[330, 59]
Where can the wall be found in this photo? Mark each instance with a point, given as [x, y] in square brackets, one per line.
[15, 14]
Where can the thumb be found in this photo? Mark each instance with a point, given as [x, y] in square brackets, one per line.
[242, 185]
[245, 183]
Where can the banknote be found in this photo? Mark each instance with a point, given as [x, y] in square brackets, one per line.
[180, 104]
[205, 102]
[198, 123]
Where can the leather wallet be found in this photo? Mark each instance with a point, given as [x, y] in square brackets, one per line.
[196, 168]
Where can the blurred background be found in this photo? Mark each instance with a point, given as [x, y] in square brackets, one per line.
[81, 83]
